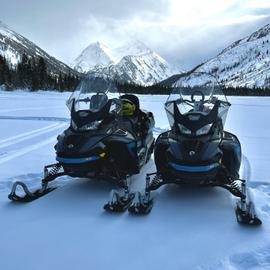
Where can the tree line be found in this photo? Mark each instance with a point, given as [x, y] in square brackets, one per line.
[166, 90]
[32, 73]
[156, 89]
[245, 91]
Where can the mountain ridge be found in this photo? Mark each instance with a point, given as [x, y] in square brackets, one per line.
[132, 62]
[244, 63]
[13, 45]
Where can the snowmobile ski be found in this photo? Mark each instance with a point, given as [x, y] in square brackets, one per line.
[29, 196]
[245, 209]
[120, 199]
[144, 203]
[247, 217]
[143, 206]
[119, 203]
[51, 172]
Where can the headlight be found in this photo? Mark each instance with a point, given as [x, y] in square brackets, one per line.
[184, 130]
[204, 130]
[91, 126]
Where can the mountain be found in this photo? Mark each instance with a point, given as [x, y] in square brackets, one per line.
[133, 62]
[95, 54]
[13, 45]
[174, 78]
[244, 63]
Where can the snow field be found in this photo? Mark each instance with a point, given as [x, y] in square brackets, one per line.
[67, 229]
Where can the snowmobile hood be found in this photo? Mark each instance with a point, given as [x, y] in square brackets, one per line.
[73, 143]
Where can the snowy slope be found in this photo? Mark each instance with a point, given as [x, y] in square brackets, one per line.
[143, 69]
[244, 63]
[133, 62]
[67, 229]
[13, 45]
[95, 54]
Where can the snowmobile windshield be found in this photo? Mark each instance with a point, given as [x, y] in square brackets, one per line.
[92, 93]
[95, 99]
[196, 104]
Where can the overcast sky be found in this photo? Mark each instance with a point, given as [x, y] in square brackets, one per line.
[185, 32]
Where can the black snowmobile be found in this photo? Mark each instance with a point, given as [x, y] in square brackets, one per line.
[108, 138]
[197, 150]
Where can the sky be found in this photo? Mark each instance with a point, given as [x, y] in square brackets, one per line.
[185, 33]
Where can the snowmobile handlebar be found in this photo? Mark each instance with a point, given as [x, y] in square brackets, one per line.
[197, 92]
[191, 103]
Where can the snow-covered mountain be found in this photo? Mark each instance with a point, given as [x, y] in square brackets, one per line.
[95, 54]
[244, 63]
[133, 62]
[13, 45]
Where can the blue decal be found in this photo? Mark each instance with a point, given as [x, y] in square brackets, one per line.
[238, 149]
[194, 168]
[77, 160]
[130, 146]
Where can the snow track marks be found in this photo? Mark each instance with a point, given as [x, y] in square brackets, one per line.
[29, 135]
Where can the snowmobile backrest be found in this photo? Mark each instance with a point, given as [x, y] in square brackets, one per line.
[84, 117]
[134, 99]
[196, 120]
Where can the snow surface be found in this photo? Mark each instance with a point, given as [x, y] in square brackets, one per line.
[68, 229]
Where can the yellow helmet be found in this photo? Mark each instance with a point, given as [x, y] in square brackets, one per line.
[128, 107]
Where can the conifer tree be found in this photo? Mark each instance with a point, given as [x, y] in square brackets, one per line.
[42, 73]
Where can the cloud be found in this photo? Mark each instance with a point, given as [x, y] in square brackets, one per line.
[260, 11]
[184, 32]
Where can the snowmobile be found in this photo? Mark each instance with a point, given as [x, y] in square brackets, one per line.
[197, 150]
[108, 139]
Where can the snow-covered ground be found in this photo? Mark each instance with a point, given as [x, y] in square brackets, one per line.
[68, 229]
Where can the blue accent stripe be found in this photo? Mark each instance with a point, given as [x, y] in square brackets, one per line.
[77, 160]
[238, 149]
[130, 146]
[184, 168]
